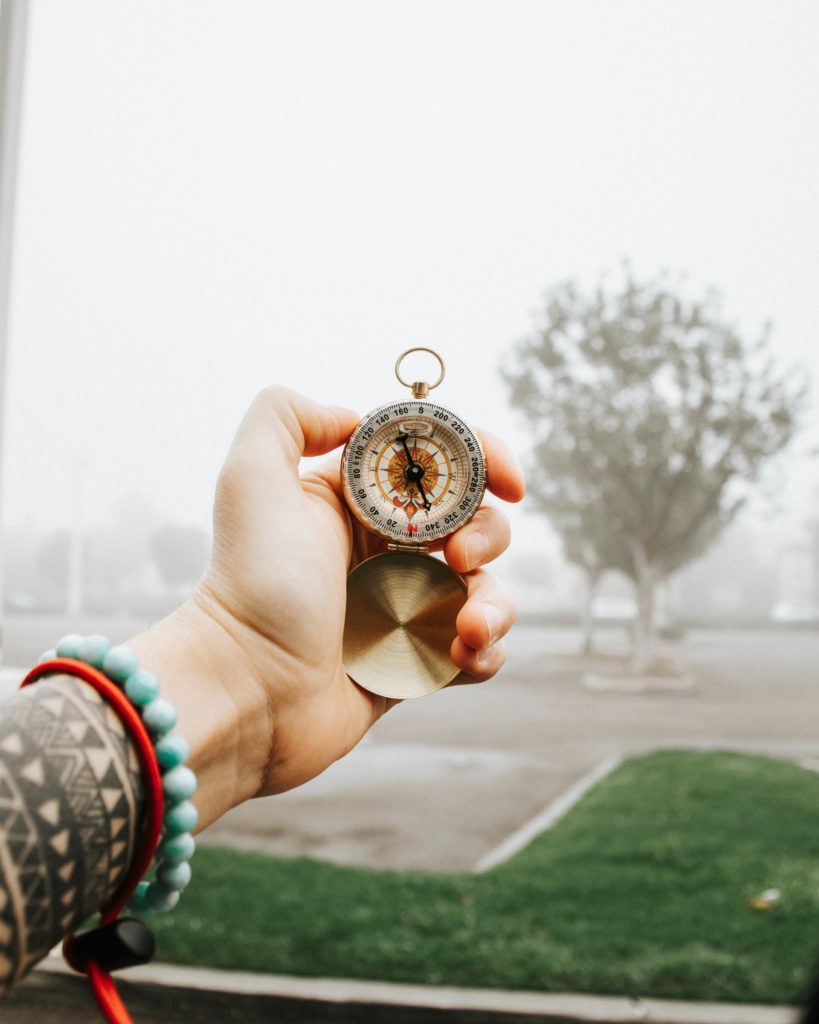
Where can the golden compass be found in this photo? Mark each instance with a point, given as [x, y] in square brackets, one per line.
[413, 472]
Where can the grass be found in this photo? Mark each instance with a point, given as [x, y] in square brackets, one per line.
[640, 890]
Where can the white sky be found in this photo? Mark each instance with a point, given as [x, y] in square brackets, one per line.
[219, 195]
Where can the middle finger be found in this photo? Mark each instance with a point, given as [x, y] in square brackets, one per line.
[483, 538]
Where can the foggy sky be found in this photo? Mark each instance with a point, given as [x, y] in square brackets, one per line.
[219, 195]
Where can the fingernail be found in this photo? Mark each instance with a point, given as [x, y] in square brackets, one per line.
[482, 658]
[476, 549]
[494, 619]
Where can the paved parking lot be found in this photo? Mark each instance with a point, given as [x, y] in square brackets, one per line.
[444, 779]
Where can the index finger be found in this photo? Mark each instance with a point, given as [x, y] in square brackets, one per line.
[503, 473]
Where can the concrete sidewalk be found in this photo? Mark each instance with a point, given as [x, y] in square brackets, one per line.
[162, 993]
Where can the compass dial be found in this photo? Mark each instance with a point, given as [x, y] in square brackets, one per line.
[413, 472]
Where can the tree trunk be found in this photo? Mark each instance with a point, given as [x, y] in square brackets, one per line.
[642, 655]
[587, 614]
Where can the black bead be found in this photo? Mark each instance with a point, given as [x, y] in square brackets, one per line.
[125, 942]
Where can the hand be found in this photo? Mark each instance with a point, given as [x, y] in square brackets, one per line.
[268, 615]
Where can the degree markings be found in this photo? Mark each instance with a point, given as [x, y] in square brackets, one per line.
[452, 453]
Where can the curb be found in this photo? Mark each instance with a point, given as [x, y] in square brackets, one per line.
[548, 817]
[339, 999]
[599, 682]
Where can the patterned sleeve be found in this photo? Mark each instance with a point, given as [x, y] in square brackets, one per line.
[71, 802]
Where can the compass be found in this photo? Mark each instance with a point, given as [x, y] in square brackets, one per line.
[412, 473]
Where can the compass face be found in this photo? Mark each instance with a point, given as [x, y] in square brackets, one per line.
[413, 472]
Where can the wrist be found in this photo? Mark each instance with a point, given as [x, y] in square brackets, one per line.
[221, 708]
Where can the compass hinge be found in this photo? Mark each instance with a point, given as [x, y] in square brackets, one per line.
[417, 549]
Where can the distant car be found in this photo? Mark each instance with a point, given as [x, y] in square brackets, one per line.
[614, 609]
[789, 613]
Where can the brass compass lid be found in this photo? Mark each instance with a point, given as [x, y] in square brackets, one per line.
[401, 611]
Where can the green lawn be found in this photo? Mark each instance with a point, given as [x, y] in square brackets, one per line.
[640, 890]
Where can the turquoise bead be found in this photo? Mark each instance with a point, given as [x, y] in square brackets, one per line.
[93, 650]
[159, 716]
[160, 898]
[181, 817]
[171, 751]
[47, 656]
[174, 876]
[141, 688]
[138, 903]
[178, 784]
[174, 849]
[119, 663]
[69, 646]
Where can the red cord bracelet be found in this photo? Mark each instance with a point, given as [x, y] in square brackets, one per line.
[102, 984]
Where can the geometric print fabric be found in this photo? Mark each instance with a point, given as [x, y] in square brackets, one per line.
[71, 801]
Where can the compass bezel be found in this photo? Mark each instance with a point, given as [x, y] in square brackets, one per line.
[373, 518]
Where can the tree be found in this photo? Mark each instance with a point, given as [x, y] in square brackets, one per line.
[588, 541]
[120, 549]
[651, 417]
[180, 553]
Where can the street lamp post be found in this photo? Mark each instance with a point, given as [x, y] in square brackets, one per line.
[13, 24]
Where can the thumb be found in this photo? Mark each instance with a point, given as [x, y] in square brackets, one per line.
[281, 426]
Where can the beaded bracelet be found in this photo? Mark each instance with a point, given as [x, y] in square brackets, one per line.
[173, 854]
[134, 697]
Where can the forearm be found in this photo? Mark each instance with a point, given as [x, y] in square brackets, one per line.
[71, 808]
